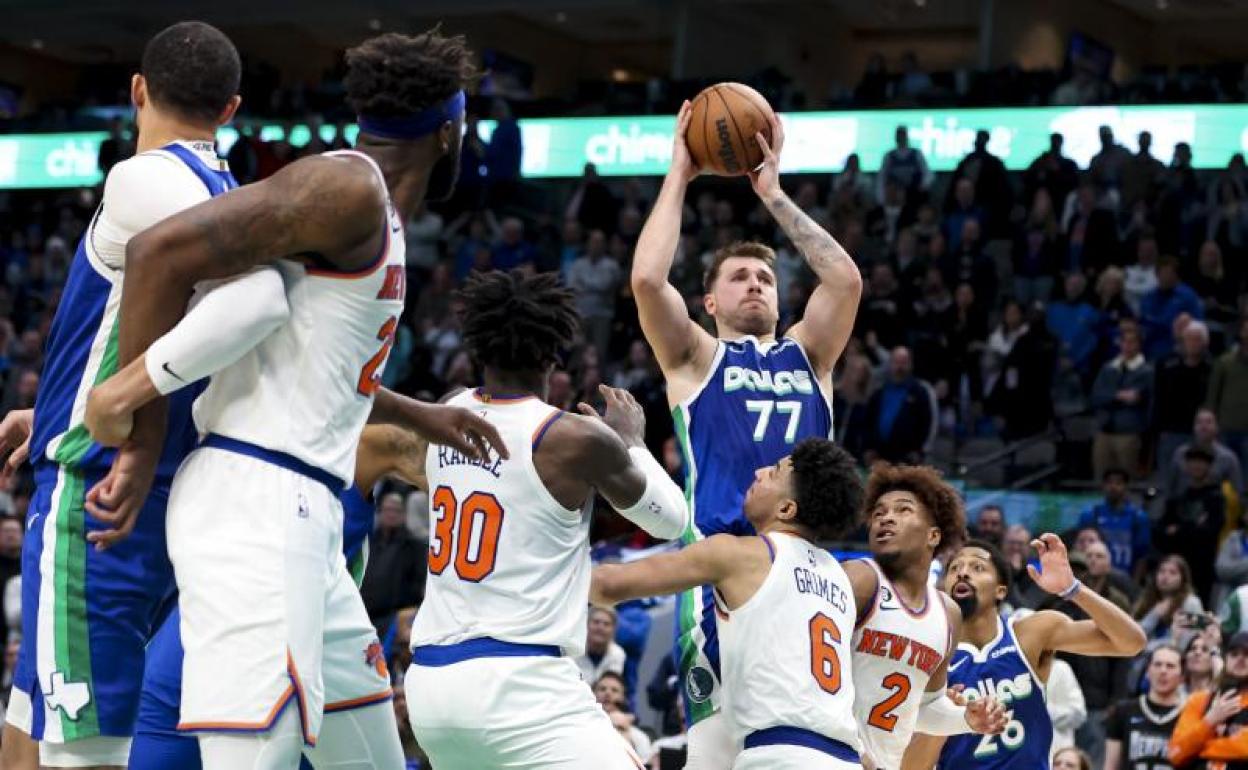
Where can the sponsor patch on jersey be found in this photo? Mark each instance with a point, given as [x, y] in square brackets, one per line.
[699, 684]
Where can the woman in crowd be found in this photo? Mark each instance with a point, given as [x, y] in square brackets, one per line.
[1211, 724]
[1169, 603]
[1071, 759]
[1202, 664]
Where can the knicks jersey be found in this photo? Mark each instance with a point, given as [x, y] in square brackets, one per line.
[758, 401]
[896, 650]
[81, 349]
[786, 650]
[307, 389]
[506, 560]
[1001, 670]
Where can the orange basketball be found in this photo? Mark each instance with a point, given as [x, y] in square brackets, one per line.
[722, 128]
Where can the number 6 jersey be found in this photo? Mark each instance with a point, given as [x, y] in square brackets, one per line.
[785, 651]
[308, 387]
[506, 560]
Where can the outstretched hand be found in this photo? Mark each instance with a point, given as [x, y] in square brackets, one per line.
[766, 178]
[1055, 574]
[623, 415]
[682, 166]
[986, 716]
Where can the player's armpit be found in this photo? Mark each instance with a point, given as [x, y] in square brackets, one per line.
[865, 583]
[701, 563]
[923, 752]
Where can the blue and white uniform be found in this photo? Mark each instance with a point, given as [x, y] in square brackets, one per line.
[157, 743]
[87, 614]
[758, 401]
[1002, 670]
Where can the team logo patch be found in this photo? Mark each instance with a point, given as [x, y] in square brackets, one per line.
[375, 657]
[699, 684]
[65, 696]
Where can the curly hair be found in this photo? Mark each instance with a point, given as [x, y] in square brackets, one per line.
[516, 322]
[394, 75]
[192, 69]
[826, 486]
[941, 501]
[748, 249]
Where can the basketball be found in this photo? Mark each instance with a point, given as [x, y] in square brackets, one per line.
[722, 126]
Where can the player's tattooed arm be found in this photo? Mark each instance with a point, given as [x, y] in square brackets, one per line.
[829, 318]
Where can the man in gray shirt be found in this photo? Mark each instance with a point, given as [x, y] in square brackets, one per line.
[595, 278]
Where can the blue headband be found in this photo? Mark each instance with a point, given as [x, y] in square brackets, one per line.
[415, 126]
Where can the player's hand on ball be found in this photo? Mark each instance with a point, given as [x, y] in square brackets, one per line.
[118, 498]
[766, 178]
[986, 715]
[682, 165]
[15, 430]
[1054, 574]
[107, 424]
[623, 415]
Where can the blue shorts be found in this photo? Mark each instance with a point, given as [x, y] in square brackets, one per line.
[86, 614]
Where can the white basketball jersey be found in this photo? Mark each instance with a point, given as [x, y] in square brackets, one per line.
[506, 560]
[785, 654]
[895, 653]
[307, 388]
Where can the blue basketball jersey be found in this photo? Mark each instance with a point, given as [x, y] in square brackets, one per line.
[82, 352]
[759, 400]
[1001, 670]
[357, 524]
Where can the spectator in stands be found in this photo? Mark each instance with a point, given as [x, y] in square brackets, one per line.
[1053, 172]
[990, 525]
[1111, 303]
[1217, 291]
[905, 167]
[1228, 394]
[969, 264]
[1225, 468]
[899, 416]
[115, 148]
[914, 83]
[11, 531]
[1142, 276]
[851, 397]
[1122, 397]
[1085, 539]
[991, 184]
[1210, 726]
[1124, 526]
[595, 277]
[1182, 384]
[1075, 323]
[1091, 231]
[853, 187]
[1037, 251]
[1072, 758]
[503, 154]
[962, 207]
[1102, 575]
[1108, 166]
[512, 250]
[1162, 305]
[911, 266]
[1193, 520]
[1141, 174]
[872, 90]
[884, 309]
[1016, 545]
[1202, 664]
[1138, 729]
[893, 215]
[395, 576]
[612, 694]
[1065, 703]
[601, 654]
[1169, 597]
[1232, 564]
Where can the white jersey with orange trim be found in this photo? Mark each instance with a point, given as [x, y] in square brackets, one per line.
[307, 389]
[785, 652]
[896, 651]
[506, 560]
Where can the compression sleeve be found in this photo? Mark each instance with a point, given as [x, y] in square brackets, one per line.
[661, 510]
[938, 715]
[228, 321]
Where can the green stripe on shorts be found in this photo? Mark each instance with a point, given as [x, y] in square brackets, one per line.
[690, 599]
[73, 642]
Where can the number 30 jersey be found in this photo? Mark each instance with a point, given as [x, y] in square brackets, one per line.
[896, 651]
[1001, 669]
[785, 652]
[759, 400]
[308, 387]
[506, 560]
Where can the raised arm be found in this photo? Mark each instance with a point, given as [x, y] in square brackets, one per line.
[1108, 630]
[829, 318]
[705, 562]
[676, 340]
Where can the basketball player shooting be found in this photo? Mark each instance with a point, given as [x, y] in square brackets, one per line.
[743, 398]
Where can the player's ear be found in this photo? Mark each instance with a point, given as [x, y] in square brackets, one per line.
[138, 90]
[934, 537]
[447, 135]
[1001, 592]
[787, 510]
[708, 303]
[231, 107]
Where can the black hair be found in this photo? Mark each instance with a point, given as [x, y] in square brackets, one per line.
[192, 69]
[517, 322]
[617, 677]
[1118, 471]
[1005, 575]
[941, 501]
[394, 75]
[827, 487]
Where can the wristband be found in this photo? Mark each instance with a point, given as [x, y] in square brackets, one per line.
[1070, 592]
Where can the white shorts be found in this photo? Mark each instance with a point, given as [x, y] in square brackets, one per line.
[790, 758]
[270, 616]
[520, 713]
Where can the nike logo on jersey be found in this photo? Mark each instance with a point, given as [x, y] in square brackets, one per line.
[956, 666]
[171, 372]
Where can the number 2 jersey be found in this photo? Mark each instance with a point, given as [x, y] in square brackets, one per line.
[506, 560]
[786, 650]
[307, 388]
[896, 650]
[1001, 669]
